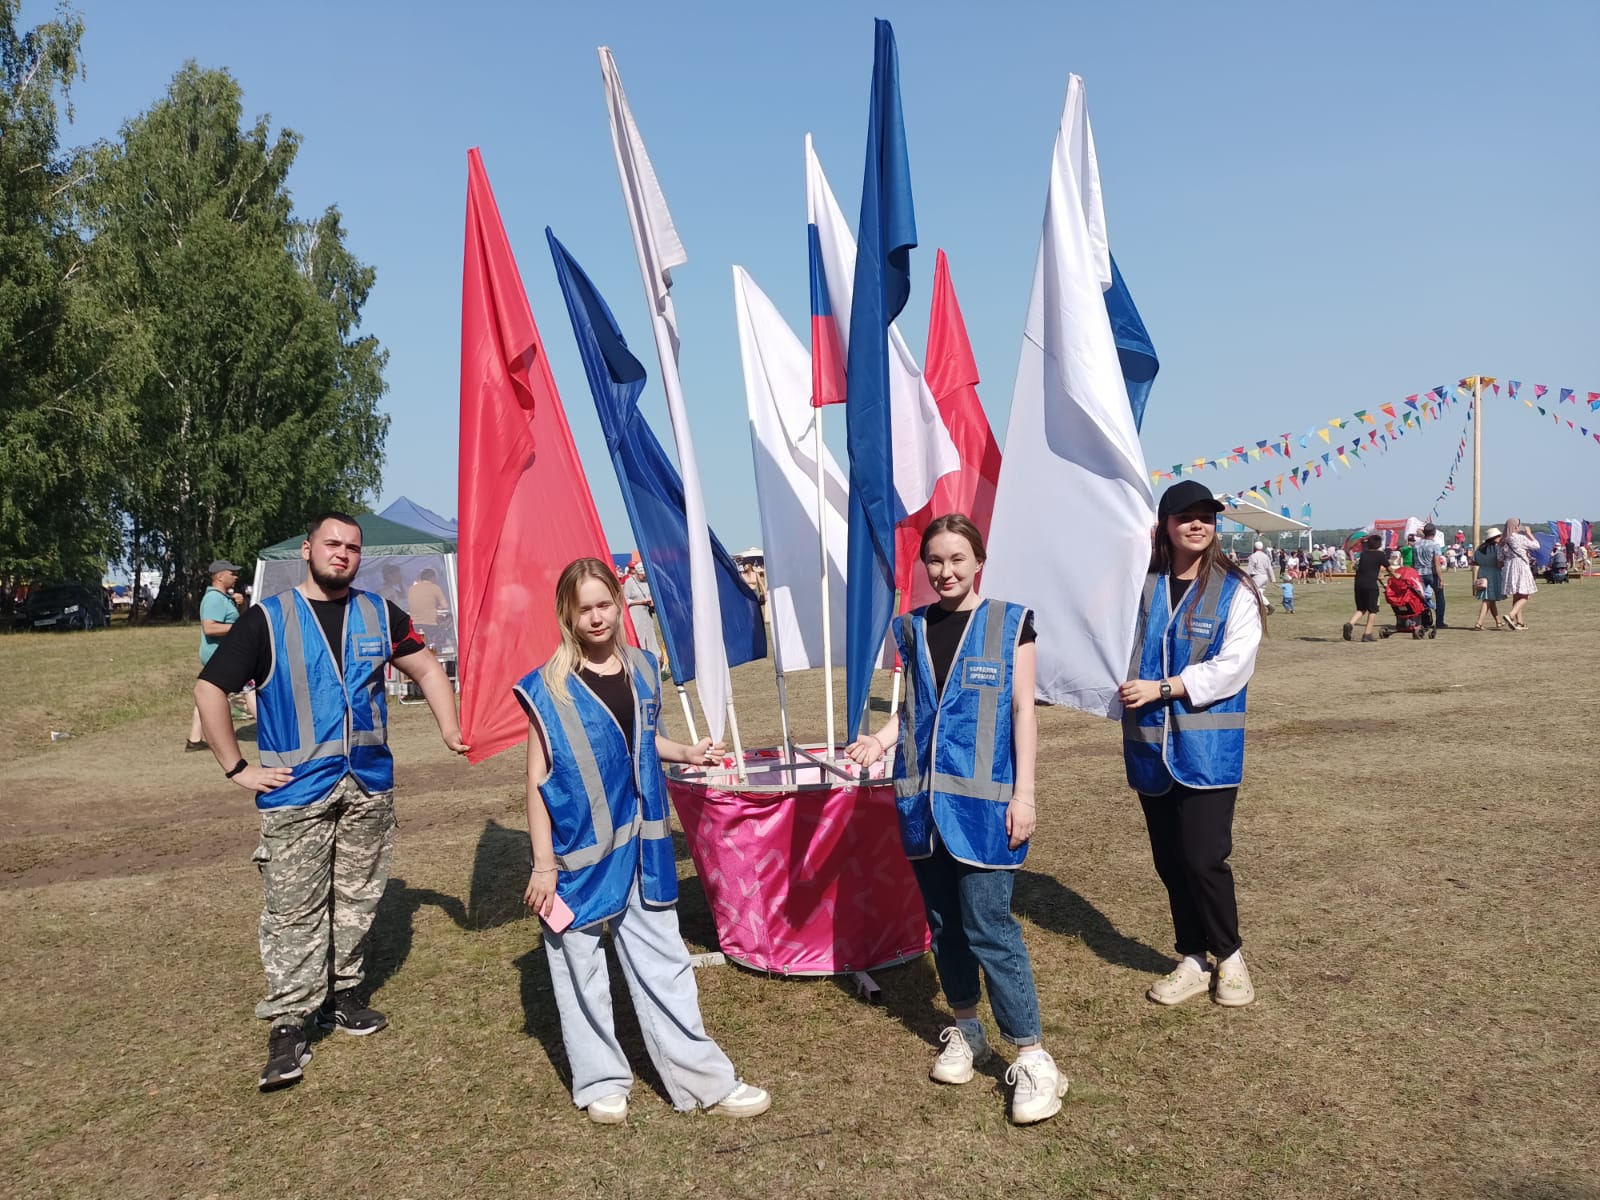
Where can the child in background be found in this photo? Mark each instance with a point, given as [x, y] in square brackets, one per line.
[1288, 595]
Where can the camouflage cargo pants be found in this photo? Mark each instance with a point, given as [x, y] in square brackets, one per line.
[323, 870]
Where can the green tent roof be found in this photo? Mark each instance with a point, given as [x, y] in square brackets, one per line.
[378, 537]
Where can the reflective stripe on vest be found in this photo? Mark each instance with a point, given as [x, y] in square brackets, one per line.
[607, 837]
[305, 725]
[606, 798]
[953, 779]
[1163, 742]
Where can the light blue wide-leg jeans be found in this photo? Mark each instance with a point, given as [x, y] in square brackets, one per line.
[655, 963]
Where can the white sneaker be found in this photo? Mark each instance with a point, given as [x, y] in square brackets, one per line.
[1188, 980]
[954, 1064]
[744, 1101]
[1037, 1088]
[1234, 989]
[608, 1110]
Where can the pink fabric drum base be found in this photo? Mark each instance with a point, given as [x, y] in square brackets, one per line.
[809, 882]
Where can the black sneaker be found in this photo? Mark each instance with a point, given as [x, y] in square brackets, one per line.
[343, 1011]
[190, 747]
[288, 1051]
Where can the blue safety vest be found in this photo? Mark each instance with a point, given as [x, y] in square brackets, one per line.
[1162, 742]
[607, 803]
[956, 763]
[310, 717]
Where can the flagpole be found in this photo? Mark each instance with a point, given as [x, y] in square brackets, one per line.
[654, 274]
[827, 617]
[688, 713]
[1477, 452]
[783, 716]
[738, 744]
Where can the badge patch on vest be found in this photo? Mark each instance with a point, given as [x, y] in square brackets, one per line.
[651, 711]
[1199, 629]
[369, 647]
[977, 672]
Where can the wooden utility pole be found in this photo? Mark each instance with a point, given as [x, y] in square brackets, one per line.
[1477, 455]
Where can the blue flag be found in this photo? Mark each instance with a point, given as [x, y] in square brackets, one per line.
[651, 486]
[1134, 348]
[884, 241]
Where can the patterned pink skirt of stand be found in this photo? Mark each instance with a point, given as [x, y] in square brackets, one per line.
[803, 871]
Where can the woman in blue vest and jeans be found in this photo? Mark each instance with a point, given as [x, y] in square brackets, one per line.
[602, 843]
[964, 791]
[1194, 651]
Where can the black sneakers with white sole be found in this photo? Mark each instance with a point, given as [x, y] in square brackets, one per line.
[288, 1051]
[343, 1011]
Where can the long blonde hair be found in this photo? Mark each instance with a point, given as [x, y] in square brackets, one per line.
[569, 653]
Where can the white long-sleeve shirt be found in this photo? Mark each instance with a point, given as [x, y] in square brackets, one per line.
[1222, 676]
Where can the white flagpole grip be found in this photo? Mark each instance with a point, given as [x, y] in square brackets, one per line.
[827, 624]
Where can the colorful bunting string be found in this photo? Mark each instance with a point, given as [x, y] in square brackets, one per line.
[1364, 433]
[1461, 454]
[1368, 432]
[1568, 396]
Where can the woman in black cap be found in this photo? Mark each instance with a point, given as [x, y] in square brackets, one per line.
[1194, 651]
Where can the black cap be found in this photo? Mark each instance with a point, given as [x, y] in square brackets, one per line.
[1187, 495]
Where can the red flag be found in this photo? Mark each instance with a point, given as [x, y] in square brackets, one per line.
[952, 376]
[525, 506]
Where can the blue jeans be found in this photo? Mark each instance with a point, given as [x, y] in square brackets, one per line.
[661, 981]
[969, 913]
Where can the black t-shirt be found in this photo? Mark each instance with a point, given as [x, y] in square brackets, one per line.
[614, 691]
[1367, 568]
[616, 694]
[246, 653]
[945, 629]
[1177, 589]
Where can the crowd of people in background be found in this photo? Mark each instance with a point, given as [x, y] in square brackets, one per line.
[1505, 568]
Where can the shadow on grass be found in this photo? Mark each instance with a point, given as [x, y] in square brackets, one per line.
[1051, 905]
[910, 994]
[494, 898]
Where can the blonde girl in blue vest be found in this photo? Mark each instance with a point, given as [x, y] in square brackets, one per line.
[964, 793]
[602, 843]
[1199, 626]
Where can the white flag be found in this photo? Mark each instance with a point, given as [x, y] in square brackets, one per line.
[923, 451]
[777, 388]
[656, 242]
[1073, 509]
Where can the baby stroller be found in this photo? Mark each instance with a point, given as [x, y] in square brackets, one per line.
[1412, 612]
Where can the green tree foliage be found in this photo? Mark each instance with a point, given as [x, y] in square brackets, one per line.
[182, 375]
[255, 401]
[61, 416]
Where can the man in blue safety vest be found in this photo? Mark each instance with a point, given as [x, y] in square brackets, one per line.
[325, 785]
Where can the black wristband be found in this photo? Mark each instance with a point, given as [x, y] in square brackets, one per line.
[243, 763]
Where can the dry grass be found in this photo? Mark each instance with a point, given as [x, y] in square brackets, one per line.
[1416, 848]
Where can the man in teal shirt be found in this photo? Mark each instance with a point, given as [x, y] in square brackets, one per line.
[218, 612]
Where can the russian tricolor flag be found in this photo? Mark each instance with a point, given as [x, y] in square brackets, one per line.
[827, 355]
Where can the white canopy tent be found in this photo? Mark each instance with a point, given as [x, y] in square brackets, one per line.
[1246, 514]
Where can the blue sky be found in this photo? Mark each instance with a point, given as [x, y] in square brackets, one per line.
[1318, 208]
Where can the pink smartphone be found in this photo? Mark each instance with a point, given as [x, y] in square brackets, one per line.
[560, 915]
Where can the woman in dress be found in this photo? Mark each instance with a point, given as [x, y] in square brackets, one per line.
[1516, 569]
[1199, 626]
[602, 845]
[964, 792]
[1486, 558]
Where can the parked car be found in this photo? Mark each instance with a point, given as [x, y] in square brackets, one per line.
[63, 606]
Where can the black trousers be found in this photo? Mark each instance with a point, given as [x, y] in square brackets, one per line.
[1191, 837]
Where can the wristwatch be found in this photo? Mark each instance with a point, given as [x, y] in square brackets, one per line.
[1166, 690]
[243, 763]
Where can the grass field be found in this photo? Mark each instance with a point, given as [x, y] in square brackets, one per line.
[1416, 853]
